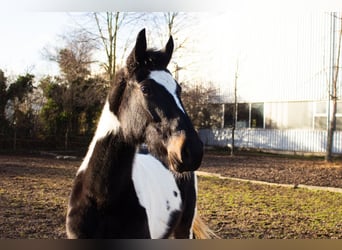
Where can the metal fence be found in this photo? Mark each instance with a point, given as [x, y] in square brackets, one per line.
[294, 140]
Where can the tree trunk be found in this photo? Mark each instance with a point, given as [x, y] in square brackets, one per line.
[333, 98]
[110, 42]
[235, 112]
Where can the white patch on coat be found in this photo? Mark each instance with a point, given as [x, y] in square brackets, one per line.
[108, 124]
[157, 192]
[166, 80]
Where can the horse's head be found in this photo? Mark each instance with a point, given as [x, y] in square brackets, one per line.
[146, 99]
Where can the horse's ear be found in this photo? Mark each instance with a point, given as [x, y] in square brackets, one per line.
[168, 50]
[138, 54]
[140, 47]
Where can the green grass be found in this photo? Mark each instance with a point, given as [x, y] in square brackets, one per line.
[244, 210]
[34, 195]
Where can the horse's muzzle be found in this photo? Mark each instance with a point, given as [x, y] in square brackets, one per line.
[185, 152]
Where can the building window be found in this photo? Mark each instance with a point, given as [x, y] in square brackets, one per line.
[257, 115]
[339, 116]
[338, 123]
[320, 115]
[249, 115]
[320, 122]
[242, 116]
[228, 115]
[321, 108]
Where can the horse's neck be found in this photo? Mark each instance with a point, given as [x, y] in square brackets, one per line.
[109, 157]
[109, 168]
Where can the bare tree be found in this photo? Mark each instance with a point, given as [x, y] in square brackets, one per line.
[115, 32]
[109, 25]
[235, 109]
[75, 55]
[333, 96]
[179, 25]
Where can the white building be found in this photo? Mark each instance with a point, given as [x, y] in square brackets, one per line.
[283, 86]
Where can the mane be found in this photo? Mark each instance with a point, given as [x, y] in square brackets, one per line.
[117, 88]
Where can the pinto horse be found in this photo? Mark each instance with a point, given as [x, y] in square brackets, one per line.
[120, 193]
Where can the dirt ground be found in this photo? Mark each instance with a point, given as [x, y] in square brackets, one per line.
[33, 196]
[275, 168]
[34, 189]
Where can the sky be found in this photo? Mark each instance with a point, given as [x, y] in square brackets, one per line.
[29, 32]
[24, 35]
[28, 25]
[224, 42]
[218, 34]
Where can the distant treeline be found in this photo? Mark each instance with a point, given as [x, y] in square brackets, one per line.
[62, 112]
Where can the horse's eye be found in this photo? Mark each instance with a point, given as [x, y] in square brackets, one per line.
[145, 89]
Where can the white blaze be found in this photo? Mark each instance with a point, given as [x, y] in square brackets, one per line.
[166, 80]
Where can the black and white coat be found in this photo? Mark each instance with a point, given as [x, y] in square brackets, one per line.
[119, 193]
